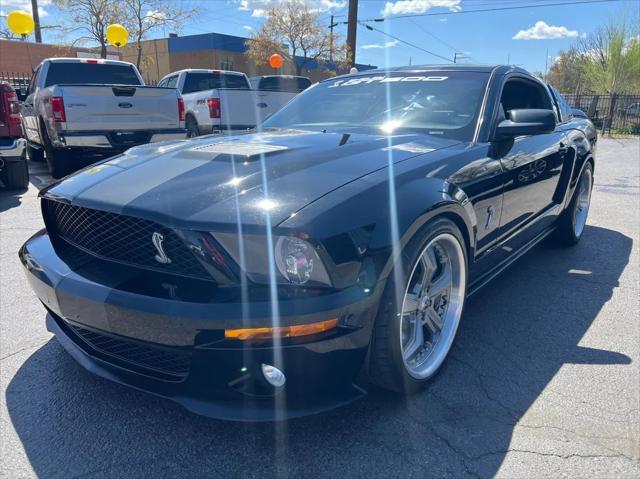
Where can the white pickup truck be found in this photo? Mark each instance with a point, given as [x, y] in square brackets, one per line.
[219, 101]
[85, 106]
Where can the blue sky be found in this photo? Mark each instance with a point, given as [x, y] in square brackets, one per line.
[522, 37]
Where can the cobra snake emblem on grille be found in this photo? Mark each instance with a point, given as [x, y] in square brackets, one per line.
[157, 240]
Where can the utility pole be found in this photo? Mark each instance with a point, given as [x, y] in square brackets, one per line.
[546, 64]
[331, 27]
[352, 25]
[36, 20]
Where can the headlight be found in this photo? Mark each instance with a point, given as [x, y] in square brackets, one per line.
[296, 260]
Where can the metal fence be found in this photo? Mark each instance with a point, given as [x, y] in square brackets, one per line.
[19, 81]
[611, 114]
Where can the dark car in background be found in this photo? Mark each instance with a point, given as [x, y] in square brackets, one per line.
[14, 171]
[257, 277]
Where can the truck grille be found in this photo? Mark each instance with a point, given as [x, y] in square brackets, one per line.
[166, 362]
[120, 238]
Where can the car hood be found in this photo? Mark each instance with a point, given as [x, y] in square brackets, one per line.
[216, 181]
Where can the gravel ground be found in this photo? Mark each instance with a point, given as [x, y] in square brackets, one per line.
[543, 380]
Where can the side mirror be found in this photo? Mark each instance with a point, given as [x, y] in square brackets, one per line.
[526, 122]
[21, 93]
[577, 112]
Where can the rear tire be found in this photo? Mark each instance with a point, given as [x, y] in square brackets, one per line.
[58, 160]
[572, 222]
[35, 154]
[192, 127]
[409, 343]
[15, 174]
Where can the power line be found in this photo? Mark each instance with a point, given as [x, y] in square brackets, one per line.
[518, 7]
[369, 27]
[448, 45]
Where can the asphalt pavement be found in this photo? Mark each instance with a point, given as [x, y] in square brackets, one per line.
[543, 380]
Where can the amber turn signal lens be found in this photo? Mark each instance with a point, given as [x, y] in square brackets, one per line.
[281, 332]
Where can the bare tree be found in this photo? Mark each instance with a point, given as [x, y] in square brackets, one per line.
[293, 29]
[91, 18]
[146, 16]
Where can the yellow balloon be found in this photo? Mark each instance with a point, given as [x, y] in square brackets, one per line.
[117, 35]
[20, 23]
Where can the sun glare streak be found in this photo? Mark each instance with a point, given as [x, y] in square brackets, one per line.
[398, 273]
[244, 287]
[267, 204]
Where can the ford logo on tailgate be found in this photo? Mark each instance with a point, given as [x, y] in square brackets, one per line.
[124, 104]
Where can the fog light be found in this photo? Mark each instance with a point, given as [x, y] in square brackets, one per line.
[273, 375]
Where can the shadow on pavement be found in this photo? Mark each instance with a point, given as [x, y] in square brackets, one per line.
[515, 336]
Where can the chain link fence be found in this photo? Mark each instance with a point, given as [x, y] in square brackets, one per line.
[616, 114]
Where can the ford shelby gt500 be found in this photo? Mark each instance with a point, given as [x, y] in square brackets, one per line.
[277, 273]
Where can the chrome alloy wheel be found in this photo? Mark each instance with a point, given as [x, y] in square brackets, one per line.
[432, 305]
[581, 209]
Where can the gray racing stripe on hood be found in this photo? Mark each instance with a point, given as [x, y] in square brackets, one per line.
[139, 180]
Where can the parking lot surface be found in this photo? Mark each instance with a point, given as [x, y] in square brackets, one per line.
[543, 380]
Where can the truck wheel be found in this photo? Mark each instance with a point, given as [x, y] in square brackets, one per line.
[58, 160]
[192, 127]
[34, 153]
[15, 175]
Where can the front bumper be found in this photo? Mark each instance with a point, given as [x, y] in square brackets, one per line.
[113, 331]
[116, 140]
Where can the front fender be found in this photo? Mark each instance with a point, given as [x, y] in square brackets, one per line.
[359, 224]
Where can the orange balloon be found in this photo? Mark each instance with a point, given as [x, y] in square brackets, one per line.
[275, 61]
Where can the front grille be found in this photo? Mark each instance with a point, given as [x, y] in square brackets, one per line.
[121, 238]
[173, 363]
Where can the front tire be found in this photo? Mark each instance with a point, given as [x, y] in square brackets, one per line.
[573, 220]
[34, 153]
[420, 309]
[15, 174]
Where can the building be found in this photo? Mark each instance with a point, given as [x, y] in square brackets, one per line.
[209, 50]
[19, 58]
[159, 57]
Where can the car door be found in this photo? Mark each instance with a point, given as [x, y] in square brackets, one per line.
[532, 164]
[28, 110]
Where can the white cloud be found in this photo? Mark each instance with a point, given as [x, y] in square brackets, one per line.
[542, 31]
[25, 5]
[390, 44]
[405, 7]
[247, 27]
[258, 8]
[155, 17]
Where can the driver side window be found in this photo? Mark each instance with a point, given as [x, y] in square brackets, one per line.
[519, 93]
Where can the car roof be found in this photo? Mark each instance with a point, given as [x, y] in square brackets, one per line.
[205, 70]
[86, 60]
[431, 68]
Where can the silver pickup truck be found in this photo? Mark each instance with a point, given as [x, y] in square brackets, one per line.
[79, 106]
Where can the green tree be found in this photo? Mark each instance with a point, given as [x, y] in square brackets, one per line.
[612, 57]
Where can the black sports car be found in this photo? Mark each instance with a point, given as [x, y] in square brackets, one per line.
[257, 276]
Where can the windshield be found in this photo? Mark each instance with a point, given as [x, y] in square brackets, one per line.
[91, 73]
[437, 103]
[214, 80]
